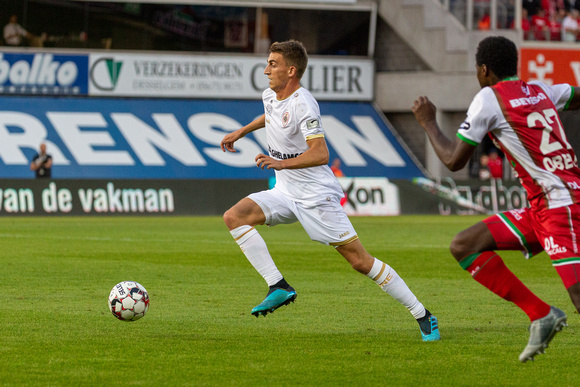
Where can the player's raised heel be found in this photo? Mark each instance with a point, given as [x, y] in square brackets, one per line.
[429, 328]
[542, 331]
[275, 299]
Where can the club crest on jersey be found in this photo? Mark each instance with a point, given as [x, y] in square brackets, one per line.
[285, 118]
[525, 90]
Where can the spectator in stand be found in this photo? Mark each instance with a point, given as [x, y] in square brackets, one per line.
[561, 15]
[484, 23]
[553, 6]
[484, 173]
[526, 27]
[555, 26]
[14, 34]
[570, 26]
[335, 168]
[540, 25]
[495, 165]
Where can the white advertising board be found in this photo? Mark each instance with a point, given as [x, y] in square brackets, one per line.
[369, 196]
[215, 76]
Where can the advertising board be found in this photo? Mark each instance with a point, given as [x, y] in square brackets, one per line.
[369, 196]
[105, 138]
[43, 73]
[550, 65]
[122, 197]
[220, 76]
[121, 74]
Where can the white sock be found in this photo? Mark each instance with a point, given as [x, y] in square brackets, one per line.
[388, 279]
[255, 249]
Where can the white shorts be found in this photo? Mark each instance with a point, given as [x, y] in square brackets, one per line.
[326, 222]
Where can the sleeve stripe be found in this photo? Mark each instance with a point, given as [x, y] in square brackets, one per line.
[465, 139]
[314, 136]
[346, 242]
[569, 99]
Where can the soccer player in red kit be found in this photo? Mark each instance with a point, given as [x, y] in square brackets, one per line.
[522, 120]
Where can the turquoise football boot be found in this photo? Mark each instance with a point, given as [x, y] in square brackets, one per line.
[276, 298]
[429, 328]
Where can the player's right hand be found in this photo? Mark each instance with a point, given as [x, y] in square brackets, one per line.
[424, 110]
[228, 142]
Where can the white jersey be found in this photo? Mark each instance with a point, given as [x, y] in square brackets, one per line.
[522, 118]
[289, 124]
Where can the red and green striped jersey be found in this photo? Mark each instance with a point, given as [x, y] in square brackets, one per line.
[523, 121]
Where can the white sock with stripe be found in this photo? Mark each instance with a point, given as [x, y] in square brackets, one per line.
[254, 248]
[388, 279]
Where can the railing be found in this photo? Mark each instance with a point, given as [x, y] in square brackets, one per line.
[486, 14]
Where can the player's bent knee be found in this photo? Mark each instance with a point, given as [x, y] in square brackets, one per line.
[230, 219]
[459, 248]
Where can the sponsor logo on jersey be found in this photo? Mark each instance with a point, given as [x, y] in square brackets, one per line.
[465, 125]
[517, 213]
[525, 90]
[313, 124]
[474, 271]
[282, 156]
[533, 100]
[269, 109]
[552, 247]
[285, 119]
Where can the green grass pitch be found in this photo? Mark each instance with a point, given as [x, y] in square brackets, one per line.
[56, 329]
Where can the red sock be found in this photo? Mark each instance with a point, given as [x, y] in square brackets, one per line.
[488, 269]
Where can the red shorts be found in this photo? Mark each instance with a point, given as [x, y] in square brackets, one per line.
[556, 231]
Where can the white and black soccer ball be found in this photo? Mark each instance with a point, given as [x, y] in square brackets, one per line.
[128, 301]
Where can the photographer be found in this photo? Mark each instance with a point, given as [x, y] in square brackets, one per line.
[42, 163]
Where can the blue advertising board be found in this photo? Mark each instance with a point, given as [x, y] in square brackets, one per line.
[43, 74]
[93, 138]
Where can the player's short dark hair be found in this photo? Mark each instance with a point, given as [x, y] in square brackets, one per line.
[499, 54]
[294, 53]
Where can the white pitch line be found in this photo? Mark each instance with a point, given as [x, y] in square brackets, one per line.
[141, 240]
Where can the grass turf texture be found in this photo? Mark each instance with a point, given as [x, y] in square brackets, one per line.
[56, 329]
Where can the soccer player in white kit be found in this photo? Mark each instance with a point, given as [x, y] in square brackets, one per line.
[522, 120]
[306, 190]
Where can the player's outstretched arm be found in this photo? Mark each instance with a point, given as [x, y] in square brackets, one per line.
[453, 153]
[317, 154]
[230, 138]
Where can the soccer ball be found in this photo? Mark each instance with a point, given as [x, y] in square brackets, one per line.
[128, 301]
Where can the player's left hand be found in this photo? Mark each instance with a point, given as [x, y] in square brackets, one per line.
[263, 161]
[424, 110]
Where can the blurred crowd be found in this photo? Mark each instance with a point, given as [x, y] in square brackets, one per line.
[551, 20]
[544, 20]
